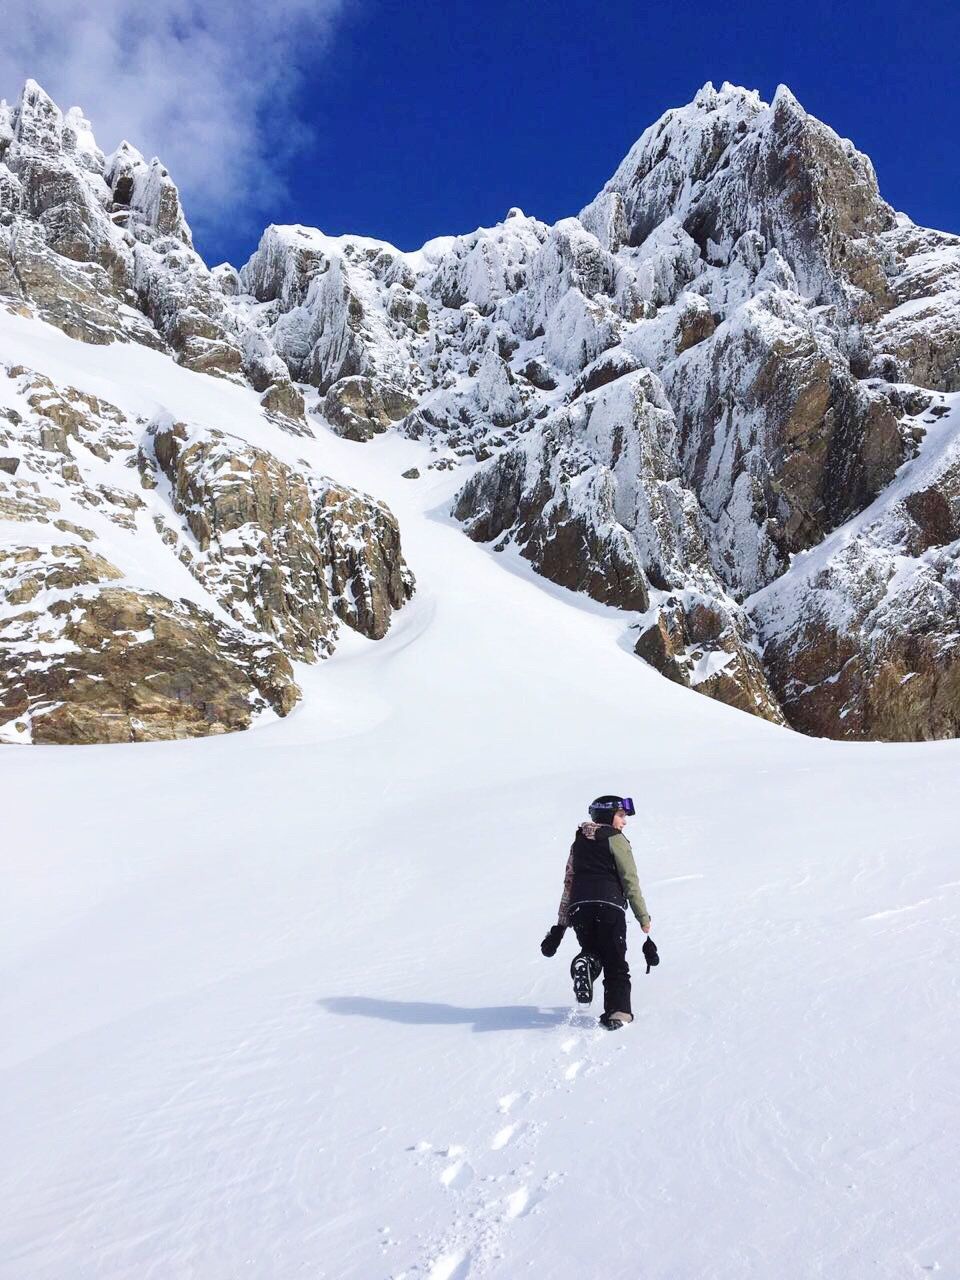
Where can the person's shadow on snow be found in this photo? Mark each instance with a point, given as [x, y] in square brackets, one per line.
[509, 1017]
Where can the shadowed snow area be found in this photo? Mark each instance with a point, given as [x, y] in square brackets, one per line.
[273, 1003]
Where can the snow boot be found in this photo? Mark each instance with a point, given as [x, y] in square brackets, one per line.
[614, 1021]
[584, 968]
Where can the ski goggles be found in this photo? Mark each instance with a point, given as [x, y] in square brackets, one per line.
[623, 804]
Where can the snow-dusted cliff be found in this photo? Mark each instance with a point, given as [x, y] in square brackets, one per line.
[682, 399]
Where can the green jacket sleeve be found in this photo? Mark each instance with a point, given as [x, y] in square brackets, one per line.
[623, 856]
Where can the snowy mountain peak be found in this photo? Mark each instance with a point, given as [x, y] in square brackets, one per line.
[785, 101]
[38, 121]
[729, 163]
[728, 355]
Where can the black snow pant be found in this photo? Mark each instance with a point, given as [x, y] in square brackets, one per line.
[601, 930]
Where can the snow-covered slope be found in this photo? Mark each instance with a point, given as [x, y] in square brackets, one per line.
[273, 1003]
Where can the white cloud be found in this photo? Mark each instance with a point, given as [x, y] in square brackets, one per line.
[207, 87]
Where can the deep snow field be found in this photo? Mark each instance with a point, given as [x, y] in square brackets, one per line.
[273, 1004]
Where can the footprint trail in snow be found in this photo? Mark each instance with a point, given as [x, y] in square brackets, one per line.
[494, 1179]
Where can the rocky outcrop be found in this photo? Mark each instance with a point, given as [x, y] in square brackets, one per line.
[360, 545]
[285, 403]
[778, 439]
[98, 245]
[339, 309]
[285, 554]
[482, 269]
[596, 502]
[21, 500]
[706, 644]
[75, 297]
[860, 640]
[98, 511]
[82, 661]
[145, 197]
[918, 339]
[360, 408]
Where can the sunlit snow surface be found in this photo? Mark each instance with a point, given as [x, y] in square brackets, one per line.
[273, 1003]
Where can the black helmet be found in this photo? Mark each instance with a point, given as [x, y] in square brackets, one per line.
[604, 807]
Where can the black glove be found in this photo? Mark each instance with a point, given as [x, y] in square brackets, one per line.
[553, 939]
[650, 954]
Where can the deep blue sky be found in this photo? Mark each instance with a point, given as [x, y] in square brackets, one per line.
[434, 118]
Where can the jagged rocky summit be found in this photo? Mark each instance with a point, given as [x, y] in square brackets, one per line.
[157, 576]
[725, 397]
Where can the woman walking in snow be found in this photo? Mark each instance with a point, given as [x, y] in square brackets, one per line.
[600, 881]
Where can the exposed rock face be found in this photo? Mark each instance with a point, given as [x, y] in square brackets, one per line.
[779, 440]
[360, 408]
[285, 554]
[76, 297]
[285, 400]
[360, 542]
[698, 642]
[918, 339]
[81, 661]
[99, 245]
[148, 193]
[90, 651]
[860, 640]
[338, 307]
[596, 502]
[594, 499]
[22, 500]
